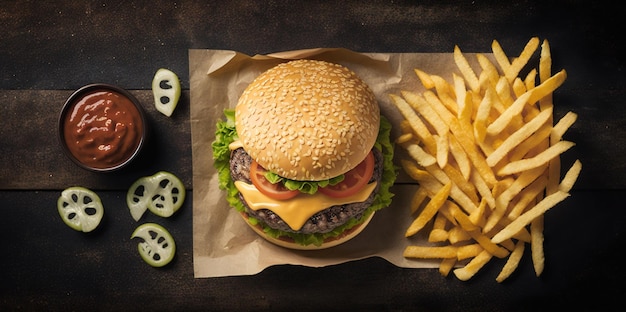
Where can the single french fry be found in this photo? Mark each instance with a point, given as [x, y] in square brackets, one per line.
[501, 186]
[429, 210]
[519, 87]
[518, 63]
[425, 79]
[518, 136]
[503, 90]
[439, 232]
[545, 72]
[562, 126]
[457, 235]
[554, 175]
[460, 157]
[512, 262]
[466, 114]
[548, 86]
[442, 87]
[536, 245]
[421, 156]
[545, 61]
[482, 116]
[570, 177]
[466, 70]
[430, 252]
[541, 159]
[484, 82]
[490, 70]
[531, 142]
[411, 168]
[438, 235]
[483, 189]
[501, 58]
[527, 196]
[544, 205]
[418, 199]
[468, 251]
[522, 235]
[468, 271]
[404, 138]
[446, 266]
[529, 81]
[442, 150]
[511, 112]
[460, 93]
[478, 216]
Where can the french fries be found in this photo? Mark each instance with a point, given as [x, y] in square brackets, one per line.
[486, 153]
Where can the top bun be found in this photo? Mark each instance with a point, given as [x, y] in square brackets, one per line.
[308, 120]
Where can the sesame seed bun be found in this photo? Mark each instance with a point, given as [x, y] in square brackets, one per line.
[308, 120]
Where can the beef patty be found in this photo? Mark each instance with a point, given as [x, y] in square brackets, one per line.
[321, 222]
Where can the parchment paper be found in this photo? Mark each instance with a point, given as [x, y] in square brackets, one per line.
[223, 244]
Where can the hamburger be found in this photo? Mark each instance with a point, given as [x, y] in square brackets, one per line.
[305, 156]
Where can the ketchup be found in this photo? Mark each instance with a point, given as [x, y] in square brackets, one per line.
[102, 129]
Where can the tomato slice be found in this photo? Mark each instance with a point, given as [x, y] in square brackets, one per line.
[276, 191]
[354, 180]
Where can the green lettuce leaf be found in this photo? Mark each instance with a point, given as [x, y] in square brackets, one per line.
[308, 187]
[226, 134]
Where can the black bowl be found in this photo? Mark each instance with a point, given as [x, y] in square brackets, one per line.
[142, 130]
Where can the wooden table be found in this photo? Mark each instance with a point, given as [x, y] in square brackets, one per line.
[47, 50]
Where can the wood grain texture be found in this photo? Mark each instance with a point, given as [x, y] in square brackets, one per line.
[48, 49]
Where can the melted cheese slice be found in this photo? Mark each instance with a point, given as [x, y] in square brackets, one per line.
[296, 211]
[235, 145]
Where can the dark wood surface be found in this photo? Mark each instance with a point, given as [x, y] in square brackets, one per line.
[48, 49]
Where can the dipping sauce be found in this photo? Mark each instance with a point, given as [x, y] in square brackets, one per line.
[102, 128]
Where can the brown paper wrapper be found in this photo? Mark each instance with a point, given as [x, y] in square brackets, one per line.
[223, 244]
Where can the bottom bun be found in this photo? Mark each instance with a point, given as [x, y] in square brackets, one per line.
[330, 242]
